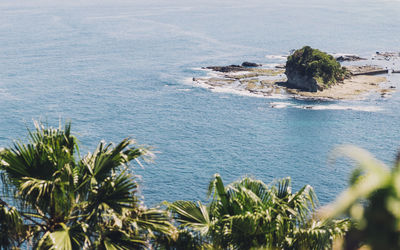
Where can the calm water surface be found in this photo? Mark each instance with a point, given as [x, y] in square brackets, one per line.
[118, 69]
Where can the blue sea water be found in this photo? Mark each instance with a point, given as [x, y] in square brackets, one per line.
[118, 69]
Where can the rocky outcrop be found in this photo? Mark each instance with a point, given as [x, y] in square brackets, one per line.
[280, 66]
[349, 58]
[366, 70]
[233, 67]
[312, 70]
[300, 81]
[250, 64]
[225, 69]
[388, 56]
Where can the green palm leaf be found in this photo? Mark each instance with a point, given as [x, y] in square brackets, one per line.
[70, 202]
[61, 238]
[193, 215]
[11, 225]
[377, 175]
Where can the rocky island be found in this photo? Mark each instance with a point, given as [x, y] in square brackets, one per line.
[313, 70]
[308, 73]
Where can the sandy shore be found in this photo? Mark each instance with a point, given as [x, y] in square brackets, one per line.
[349, 89]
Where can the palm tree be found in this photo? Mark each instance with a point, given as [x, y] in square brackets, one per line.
[11, 227]
[64, 201]
[250, 214]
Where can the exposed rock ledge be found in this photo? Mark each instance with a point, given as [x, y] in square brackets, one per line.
[234, 68]
[362, 79]
[349, 58]
[267, 82]
[349, 89]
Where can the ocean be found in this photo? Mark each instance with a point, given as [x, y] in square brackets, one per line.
[120, 68]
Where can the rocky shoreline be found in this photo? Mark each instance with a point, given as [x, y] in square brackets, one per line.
[255, 79]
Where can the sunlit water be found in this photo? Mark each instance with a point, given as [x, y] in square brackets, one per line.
[119, 69]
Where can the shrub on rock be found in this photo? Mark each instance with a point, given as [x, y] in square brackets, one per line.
[311, 69]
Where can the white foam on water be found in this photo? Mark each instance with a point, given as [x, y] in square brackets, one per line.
[212, 73]
[270, 65]
[280, 105]
[278, 57]
[340, 107]
[5, 95]
[201, 69]
[343, 54]
[187, 81]
[232, 91]
[237, 91]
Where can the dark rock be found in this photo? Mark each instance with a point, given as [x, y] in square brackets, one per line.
[225, 69]
[349, 58]
[233, 67]
[280, 66]
[250, 64]
[302, 82]
[388, 54]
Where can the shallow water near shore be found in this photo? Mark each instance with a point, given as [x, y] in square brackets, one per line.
[118, 69]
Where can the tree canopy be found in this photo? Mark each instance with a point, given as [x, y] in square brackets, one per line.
[316, 64]
[249, 214]
[52, 198]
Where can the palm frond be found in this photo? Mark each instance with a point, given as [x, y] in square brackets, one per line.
[377, 175]
[11, 226]
[195, 216]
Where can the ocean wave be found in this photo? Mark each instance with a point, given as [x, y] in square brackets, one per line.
[342, 54]
[200, 69]
[280, 105]
[270, 65]
[188, 80]
[235, 91]
[184, 90]
[276, 57]
[343, 107]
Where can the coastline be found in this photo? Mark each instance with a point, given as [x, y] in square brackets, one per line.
[271, 83]
[350, 89]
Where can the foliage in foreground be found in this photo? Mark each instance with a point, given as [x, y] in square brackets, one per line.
[250, 214]
[54, 199]
[372, 201]
[314, 63]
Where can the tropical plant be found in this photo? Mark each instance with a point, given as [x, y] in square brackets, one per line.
[11, 227]
[372, 201]
[59, 200]
[250, 214]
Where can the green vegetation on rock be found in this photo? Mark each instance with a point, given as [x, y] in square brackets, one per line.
[308, 66]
